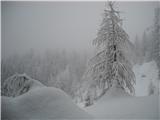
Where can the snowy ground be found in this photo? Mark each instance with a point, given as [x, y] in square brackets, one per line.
[145, 73]
[125, 108]
[41, 104]
[30, 99]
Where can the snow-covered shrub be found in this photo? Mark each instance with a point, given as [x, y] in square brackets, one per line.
[151, 89]
[18, 84]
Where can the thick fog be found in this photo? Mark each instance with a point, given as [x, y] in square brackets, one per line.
[64, 25]
[48, 60]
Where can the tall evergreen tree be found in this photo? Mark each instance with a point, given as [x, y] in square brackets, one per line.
[156, 34]
[138, 46]
[109, 66]
[156, 38]
[144, 41]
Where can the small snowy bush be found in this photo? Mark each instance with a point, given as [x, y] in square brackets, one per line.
[18, 84]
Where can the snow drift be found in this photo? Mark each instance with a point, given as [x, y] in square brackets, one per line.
[19, 84]
[114, 92]
[115, 105]
[41, 103]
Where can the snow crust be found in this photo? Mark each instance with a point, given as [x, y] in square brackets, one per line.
[41, 103]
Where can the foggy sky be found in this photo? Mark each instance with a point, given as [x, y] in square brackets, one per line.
[64, 25]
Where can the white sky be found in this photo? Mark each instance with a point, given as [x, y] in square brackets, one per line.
[64, 25]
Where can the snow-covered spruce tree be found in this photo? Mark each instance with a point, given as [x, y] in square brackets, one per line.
[138, 50]
[144, 41]
[109, 66]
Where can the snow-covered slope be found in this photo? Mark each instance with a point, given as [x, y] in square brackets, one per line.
[41, 103]
[125, 108]
[145, 74]
[19, 84]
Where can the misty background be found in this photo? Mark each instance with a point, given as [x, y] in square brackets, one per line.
[69, 26]
[47, 55]
[52, 41]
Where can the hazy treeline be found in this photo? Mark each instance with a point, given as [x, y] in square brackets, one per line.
[148, 46]
[53, 68]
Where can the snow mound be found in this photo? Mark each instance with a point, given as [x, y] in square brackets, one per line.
[41, 103]
[126, 108]
[114, 92]
[19, 84]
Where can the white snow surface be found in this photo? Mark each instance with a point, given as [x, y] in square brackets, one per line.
[42, 104]
[113, 93]
[124, 106]
[145, 73]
